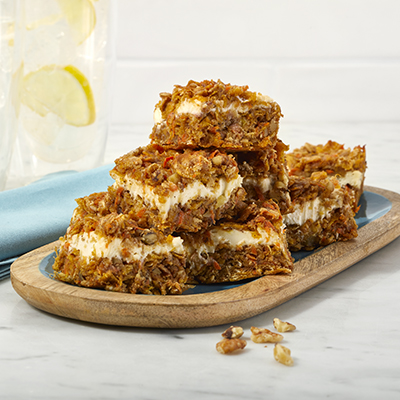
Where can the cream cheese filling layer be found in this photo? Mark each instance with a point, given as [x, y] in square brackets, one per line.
[352, 178]
[94, 245]
[236, 239]
[195, 107]
[195, 190]
[313, 210]
[240, 238]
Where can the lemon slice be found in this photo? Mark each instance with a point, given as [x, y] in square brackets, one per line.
[81, 17]
[64, 91]
[47, 20]
[18, 95]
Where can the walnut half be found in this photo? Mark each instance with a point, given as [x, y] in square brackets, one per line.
[226, 346]
[282, 355]
[262, 335]
[233, 332]
[281, 326]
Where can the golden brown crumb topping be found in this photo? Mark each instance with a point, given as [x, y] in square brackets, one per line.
[173, 170]
[318, 185]
[213, 114]
[333, 158]
[214, 93]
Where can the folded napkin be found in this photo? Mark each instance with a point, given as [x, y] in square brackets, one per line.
[5, 268]
[37, 214]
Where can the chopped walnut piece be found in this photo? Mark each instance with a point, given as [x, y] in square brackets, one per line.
[281, 326]
[262, 335]
[233, 332]
[226, 346]
[282, 355]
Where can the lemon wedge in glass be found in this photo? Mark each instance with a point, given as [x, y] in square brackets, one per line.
[81, 17]
[64, 91]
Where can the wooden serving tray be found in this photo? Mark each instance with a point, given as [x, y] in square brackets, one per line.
[204, 309]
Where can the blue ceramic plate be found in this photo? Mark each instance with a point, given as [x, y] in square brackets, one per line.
[372, 207]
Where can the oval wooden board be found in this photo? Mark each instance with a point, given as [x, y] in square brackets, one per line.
[200, 310]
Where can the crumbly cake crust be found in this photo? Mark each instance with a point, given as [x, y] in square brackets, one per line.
[213, 114]
[338, 223]
[166, 174]
[169, 170]
[332, 158]
[159, 275]
[209, 261]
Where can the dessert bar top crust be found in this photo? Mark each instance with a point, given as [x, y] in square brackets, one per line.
[332, 157]
[213, 114]
[97, 213]
[171, 170]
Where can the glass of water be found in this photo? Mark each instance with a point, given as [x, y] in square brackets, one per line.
[61, 85]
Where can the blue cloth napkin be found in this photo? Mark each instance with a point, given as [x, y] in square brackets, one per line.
[37, 214]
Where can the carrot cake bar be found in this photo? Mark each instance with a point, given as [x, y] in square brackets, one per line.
[321, 212]
[231, 251]
[107, 250]
[185, 190]
[346, 164]
[213, 114]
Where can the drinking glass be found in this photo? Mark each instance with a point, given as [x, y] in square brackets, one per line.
[61, 85]
[7, 8]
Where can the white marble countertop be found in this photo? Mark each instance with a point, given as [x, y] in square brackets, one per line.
[346, 345]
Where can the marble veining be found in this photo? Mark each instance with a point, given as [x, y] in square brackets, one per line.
[346, 345]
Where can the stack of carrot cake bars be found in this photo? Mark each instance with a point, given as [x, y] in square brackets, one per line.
[206, 201]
